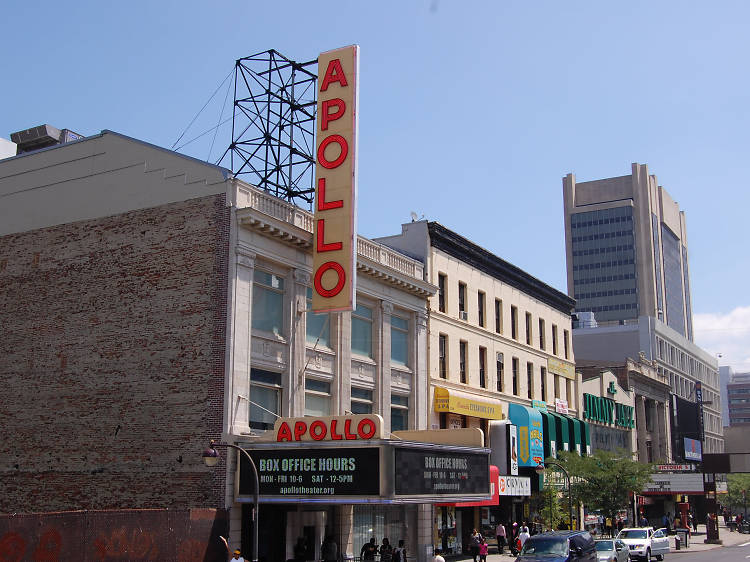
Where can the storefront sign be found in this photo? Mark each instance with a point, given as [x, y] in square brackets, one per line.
[607, 411]
[334, 428]
[539, 405]
[558, 367]
[609, 438]
[675, 484]
[436, 472]
[514, 486]
[561, 406]
[310, 472]
[530, 444]
[335, 238]
[693, 450]
[676, 468]
[448, 400]
[513, 446]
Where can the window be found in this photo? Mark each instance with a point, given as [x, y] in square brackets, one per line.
[500, 371]
[462, 300]
[557, 386]
[480, 307]
[265, 398]
[554, 339]
[530, 380]
[317, 397]
[268, 302]
[362, 331]
[565, 343]
[441, 292]
[462, 360]
[541, 334]
[361, 401]
[399, 412]
[443, 351]
[543, 375]
[318, 325]
[482, 367]
[528, 329]
[569, 392]
[399, 341]
[514, 368]
[498, 316]
[514, 322]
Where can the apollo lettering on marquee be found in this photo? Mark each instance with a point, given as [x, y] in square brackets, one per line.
[335, 428]
[335, 237]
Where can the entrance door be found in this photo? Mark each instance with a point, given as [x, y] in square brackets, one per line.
[309, 527]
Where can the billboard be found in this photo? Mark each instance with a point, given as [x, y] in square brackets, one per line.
[335, 235]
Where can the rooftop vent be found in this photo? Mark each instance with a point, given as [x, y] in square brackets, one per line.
[42, 137]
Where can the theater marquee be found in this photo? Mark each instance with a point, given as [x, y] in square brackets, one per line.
[335, 238]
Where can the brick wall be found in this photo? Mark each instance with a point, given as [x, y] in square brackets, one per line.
[112, 346]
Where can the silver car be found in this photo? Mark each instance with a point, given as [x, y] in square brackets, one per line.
[645, 542]
[611, 550]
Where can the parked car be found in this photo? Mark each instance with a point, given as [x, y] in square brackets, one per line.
[611, 550]
[645, 542]
[559, 546]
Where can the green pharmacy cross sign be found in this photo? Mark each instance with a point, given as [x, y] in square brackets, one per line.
[607, 411]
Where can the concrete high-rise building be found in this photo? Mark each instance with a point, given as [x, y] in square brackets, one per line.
[626, 249]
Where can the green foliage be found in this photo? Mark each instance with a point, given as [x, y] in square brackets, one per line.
[735, 499]
[551, 506]
[604, 480]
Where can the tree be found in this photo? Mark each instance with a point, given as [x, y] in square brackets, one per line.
[738, 488]
[604, 480]
[547, 502]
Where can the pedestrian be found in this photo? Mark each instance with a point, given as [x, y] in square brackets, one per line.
[523, 535]
[500, 534]
[386, 551]
[474, 542]
[369, 550]
[329, 550]
[483, 550]
[399, 553]
[437, 556]
[694, 519]
[232, 555]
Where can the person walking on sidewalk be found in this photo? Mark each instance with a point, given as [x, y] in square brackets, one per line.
[500, 534]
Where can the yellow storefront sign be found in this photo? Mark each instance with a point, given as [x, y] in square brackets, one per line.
[557, 367]
[466, 404]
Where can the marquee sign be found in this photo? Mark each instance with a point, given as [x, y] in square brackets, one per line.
[363, 427]
[335, 237]
[419, 471]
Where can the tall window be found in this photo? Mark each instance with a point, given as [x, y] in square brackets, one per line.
[543, 375]
[265, 398]
[557, 386]
[566, 343]
[268, 302]
[443, 350]
[529, 334]
[483, 367]
[541, 334]
[441, 292]
[500, 371]
[362, 331]
[462, 300]
[399, 341]
[569, 392]
[554, 339]
[498, 316]
[514, 322]
[317, 397]
[361, 401]
[462, 360]
[399, 412]
[480, 307]
[514, 368]
[318, 325]
[530, 380]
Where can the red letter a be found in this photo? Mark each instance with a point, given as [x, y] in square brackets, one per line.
[334, 73]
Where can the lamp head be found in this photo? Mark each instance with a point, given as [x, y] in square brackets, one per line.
[211, 455]
[540, 468]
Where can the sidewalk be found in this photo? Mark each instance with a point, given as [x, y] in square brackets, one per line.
[696, 544]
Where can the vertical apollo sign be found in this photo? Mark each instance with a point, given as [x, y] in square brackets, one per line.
[335, 239]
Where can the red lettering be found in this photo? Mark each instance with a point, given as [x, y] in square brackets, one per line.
[321, 245]
[324, 205]
[318, 430]
[340, 106]
[317, 281]
[284, 434]
[334, 436]
[300, 428]
[334, 73]
[366, 433]
[343, 146]
[347, 430]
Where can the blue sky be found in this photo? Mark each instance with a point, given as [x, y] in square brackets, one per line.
[471, 112]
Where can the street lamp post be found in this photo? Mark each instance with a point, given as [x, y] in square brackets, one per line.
[540, 470]
[211, 458]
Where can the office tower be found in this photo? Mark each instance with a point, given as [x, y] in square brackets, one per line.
[626, 249]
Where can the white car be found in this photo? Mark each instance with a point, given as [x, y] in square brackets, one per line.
[645, 542]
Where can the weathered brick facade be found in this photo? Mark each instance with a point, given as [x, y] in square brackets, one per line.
[112, 359]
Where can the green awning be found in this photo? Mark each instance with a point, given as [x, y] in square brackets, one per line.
[562, 432]
[586, 445]
[549, 426]
[575, 432]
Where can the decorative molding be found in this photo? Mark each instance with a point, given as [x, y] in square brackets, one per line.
[387, 307]
[302, 277]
